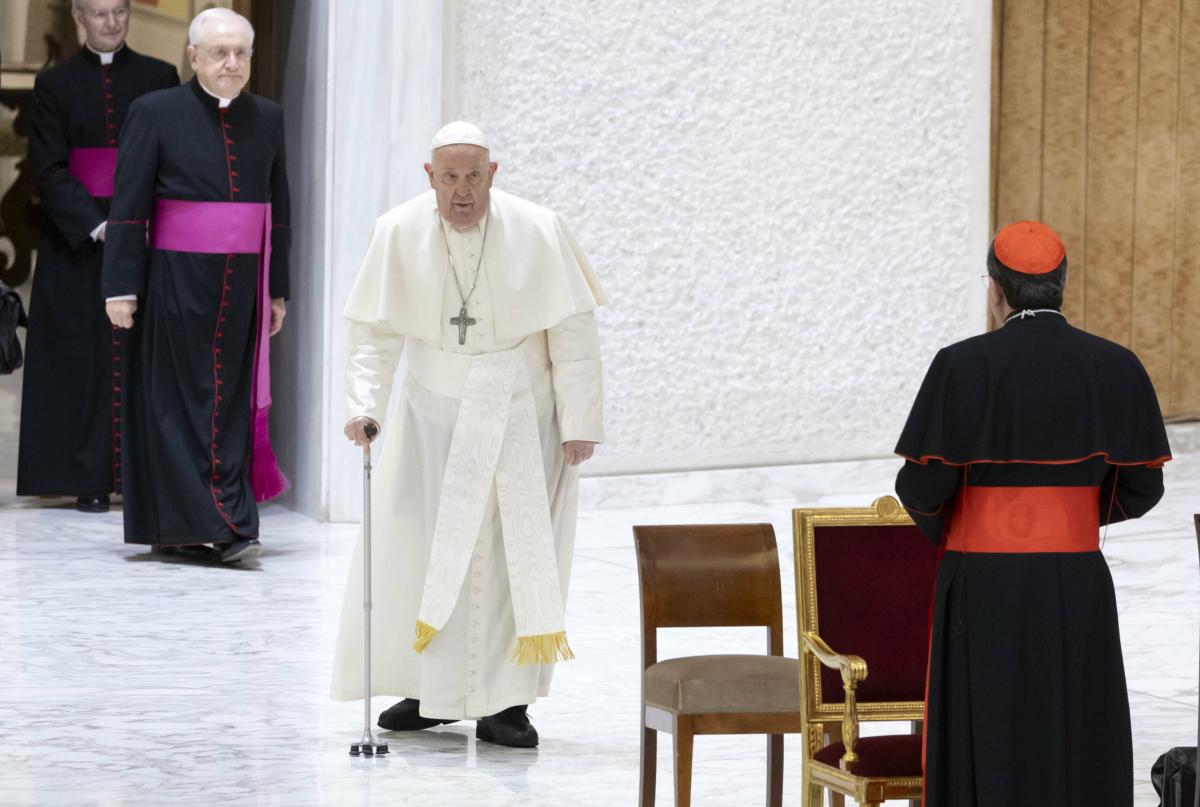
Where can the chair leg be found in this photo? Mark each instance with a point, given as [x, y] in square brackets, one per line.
[814, 795]
[649, 767]
[683, 761]
[774, 770]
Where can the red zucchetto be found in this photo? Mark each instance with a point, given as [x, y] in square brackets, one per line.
[1029, 247]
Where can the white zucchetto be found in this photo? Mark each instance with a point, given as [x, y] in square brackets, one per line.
[459, 132]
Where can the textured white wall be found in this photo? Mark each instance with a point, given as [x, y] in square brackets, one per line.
[785, 201]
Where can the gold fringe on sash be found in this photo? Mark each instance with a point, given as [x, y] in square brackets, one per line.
[544, 649]
[425, 635]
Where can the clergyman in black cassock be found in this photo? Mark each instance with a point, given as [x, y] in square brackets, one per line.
[188, 397]
[70, 398]
[1022, 443]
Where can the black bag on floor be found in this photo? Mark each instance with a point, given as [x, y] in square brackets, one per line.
[12, 314]
[1174, 777]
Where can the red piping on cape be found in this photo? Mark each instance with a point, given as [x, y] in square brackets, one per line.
[925, 458]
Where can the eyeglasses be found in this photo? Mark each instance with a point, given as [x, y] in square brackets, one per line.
[985, 279]
[221, 54]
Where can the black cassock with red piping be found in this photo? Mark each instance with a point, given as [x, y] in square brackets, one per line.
[188, 391]
[1021, 444]
[70, 403]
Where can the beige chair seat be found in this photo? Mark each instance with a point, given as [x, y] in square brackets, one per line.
[695, 684]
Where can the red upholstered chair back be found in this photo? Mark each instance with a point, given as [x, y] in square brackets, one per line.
[711, 575]
[865, 579]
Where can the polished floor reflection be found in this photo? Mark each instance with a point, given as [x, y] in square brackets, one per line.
[127, 680]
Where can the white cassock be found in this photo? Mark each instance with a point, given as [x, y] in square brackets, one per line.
[473, 504]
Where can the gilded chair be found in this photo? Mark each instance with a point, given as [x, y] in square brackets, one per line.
[864, 579]
[717, 575]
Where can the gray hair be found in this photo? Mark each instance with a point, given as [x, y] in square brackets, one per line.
[81, 5]
[196, 29]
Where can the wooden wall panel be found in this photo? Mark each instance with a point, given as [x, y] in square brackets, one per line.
[1021, 83]
[1154, 197]
[1096, 131]
[1183, 396]
[1112, 167]
[1064, 167]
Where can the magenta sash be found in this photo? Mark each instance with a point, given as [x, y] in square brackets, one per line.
[94, 168]
[223, 228]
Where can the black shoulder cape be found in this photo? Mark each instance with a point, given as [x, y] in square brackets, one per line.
[1036, 390]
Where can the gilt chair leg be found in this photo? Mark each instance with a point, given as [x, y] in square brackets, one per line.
[814, 796]
[683, 761]
[649, 767]
[774, 770]
[833, 734]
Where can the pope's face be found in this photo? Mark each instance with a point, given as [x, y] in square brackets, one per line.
[222, 58]
[461, 175]
[105, 22]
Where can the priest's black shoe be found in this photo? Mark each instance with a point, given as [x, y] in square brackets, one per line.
[406, 716]
[92, 504]
[241, 549]
[510, 727]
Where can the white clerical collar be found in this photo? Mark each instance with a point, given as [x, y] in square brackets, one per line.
[222, 102]
[105, 57]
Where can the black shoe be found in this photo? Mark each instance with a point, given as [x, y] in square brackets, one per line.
[406, 716]
[241, 549]
[510, 727]
[92, 504]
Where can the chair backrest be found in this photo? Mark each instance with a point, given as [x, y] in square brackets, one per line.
[709, 575]
[864, 583]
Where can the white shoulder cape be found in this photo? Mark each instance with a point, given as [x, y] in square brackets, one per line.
[536, 273]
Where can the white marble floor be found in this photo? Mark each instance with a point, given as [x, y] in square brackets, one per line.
[130, 681]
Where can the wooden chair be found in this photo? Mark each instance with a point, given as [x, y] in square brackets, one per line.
[713, 576]
[864, 580]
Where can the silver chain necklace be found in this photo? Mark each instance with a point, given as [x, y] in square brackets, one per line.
[462, 321]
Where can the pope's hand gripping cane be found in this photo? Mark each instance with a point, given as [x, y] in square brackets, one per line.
[367, 745]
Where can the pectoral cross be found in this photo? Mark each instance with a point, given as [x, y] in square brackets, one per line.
[463, 322]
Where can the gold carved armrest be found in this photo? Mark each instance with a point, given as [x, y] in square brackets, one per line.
[854, 670]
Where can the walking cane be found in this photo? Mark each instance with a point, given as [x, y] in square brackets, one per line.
[367, 745]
